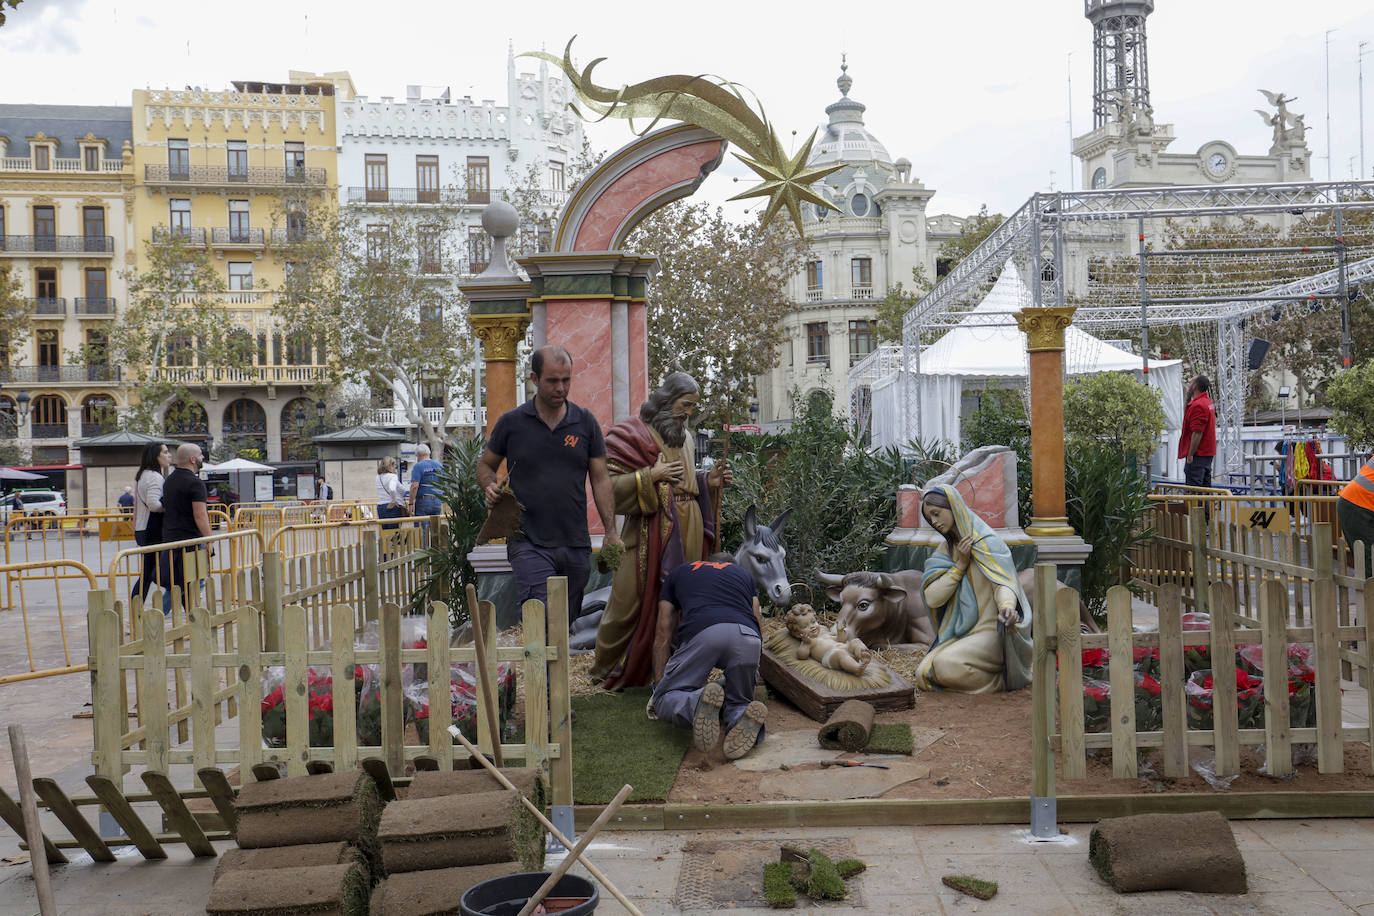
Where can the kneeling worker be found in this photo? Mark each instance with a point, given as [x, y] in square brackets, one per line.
[709, 611]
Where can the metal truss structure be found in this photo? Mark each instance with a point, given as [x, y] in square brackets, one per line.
[1132, 222]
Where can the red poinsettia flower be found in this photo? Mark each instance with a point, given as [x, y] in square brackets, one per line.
[357, 672]
[273, 699]
[1141, 653]
[1095, 658]
[1308, 675]
[422, 711]
[322, 702]
[1245, 681]
[1151, 686]
[1098, 693]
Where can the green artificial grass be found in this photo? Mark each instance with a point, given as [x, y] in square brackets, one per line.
[615, 743]
[777, 885]
[884, 739]
[974, 887]
[848, 868]
[825, 882]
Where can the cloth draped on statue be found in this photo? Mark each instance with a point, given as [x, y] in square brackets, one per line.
[973, 651]
[664, 527]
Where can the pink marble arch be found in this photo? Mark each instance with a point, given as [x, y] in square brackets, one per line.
[622, 205]
[984, 491]
[583, 326]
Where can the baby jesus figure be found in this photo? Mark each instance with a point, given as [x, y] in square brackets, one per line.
[819, 644]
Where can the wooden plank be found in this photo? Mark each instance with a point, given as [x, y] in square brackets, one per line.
[13, 816]
[202, 687]
[536, 685]
[342, 665]
[1327, 687]
[1274, 616]
[221, 794]
[1227, 747]
[484, 629]
[152, 698]
[182, 593]
[80, 828]
[376, 768]
[372, 585]
[1171, 679]
[249, 675]
[440, 691]
[1119, 648]
[1043, 627]
[109, 716]
[1197, 530]
[179, 818]
[1072, 759]
[296, 688]
[393, 721]
[560, 695]
[125, 816]
[271, 601]
[1367, 643]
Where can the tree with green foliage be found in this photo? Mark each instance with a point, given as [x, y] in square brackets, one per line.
[1351, 398]
[898, 302]
[447, 569]
[12, 4]
[972, 234]
[175, 330]
[716, 307]
[1113, 409]
[16, 316]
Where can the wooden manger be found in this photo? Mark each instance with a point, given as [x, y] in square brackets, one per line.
[819, 691]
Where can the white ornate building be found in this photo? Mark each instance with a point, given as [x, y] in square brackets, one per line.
[880, 234]
[434, 149]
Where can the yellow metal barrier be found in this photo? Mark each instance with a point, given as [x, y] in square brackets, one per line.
[16, 571]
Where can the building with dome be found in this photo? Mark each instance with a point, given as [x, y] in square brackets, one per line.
[880, 234]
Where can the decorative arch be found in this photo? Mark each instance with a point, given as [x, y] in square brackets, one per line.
[633, 182]
[245, 429]
[298, 422]
[48, 416]
[185, 418]
[99, 414]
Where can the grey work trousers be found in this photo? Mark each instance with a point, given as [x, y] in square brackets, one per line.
[733, 648]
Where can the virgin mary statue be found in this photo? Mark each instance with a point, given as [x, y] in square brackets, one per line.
[981, 614]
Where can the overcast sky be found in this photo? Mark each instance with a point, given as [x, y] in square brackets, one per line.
[976, 95]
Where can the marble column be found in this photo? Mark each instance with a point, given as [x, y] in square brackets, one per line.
[1044, 330]
[500, 335]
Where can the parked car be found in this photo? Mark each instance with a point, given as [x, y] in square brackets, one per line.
[31, 503]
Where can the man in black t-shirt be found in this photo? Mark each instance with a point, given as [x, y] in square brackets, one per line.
[708, 617]
[551, 447]
[184, 515]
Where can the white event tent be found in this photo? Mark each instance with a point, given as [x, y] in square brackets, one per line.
[986, 346]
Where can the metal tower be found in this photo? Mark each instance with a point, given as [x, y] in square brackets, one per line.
[1121, 73]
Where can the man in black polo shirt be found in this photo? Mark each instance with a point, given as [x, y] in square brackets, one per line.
[183, 502]
[718, 627]
[551, 446]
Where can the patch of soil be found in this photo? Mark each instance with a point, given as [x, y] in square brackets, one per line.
[986, 753]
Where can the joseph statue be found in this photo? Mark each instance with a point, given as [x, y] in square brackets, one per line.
[669, 520]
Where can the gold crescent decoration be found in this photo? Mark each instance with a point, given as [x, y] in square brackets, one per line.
[715, 105]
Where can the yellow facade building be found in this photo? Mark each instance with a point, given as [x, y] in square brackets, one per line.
[214, 168]
[66, 227]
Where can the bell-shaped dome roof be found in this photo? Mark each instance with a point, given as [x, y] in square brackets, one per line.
[845, 139]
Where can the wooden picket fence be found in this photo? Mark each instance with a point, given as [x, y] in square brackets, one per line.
[223, 656]
[1249, 602]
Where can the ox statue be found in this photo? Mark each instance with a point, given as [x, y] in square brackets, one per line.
[889, 609]
[882, 609]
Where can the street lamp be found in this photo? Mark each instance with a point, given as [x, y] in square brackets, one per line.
[21, 412]
[1284, 393]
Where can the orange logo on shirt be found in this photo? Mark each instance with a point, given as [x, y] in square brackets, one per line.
[697, 564]
[569, 441]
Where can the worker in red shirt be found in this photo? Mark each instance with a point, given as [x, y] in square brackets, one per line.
[1198, 444]
[1355, 512]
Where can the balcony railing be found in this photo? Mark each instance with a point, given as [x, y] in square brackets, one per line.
[365, 195]
[861, 291]
[224, 297]
[25, 164]
[59, 244]
[49, 430]
[283, 237]
[88, 306]
[228, 235]
[47, 306]
[194, 235]
[261, 176]
[255, 375]
[38, 375]
[813, 294]
[391, 417]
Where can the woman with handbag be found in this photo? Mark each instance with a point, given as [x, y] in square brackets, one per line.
[152, 468]
[391, 498]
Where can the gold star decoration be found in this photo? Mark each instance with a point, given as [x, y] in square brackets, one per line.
[716, 105]
[787, 182]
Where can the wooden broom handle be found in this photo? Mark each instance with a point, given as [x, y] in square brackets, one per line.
[576, 852]
[488, 701]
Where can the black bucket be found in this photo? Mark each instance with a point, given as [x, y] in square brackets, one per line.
[506, 896]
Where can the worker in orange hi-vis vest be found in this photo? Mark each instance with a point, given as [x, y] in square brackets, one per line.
[1355, 511]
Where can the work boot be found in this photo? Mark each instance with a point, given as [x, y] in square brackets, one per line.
[741, 739]
[706, 720]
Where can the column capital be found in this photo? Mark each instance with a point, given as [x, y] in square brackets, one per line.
[500, 334]
[1044, 327]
